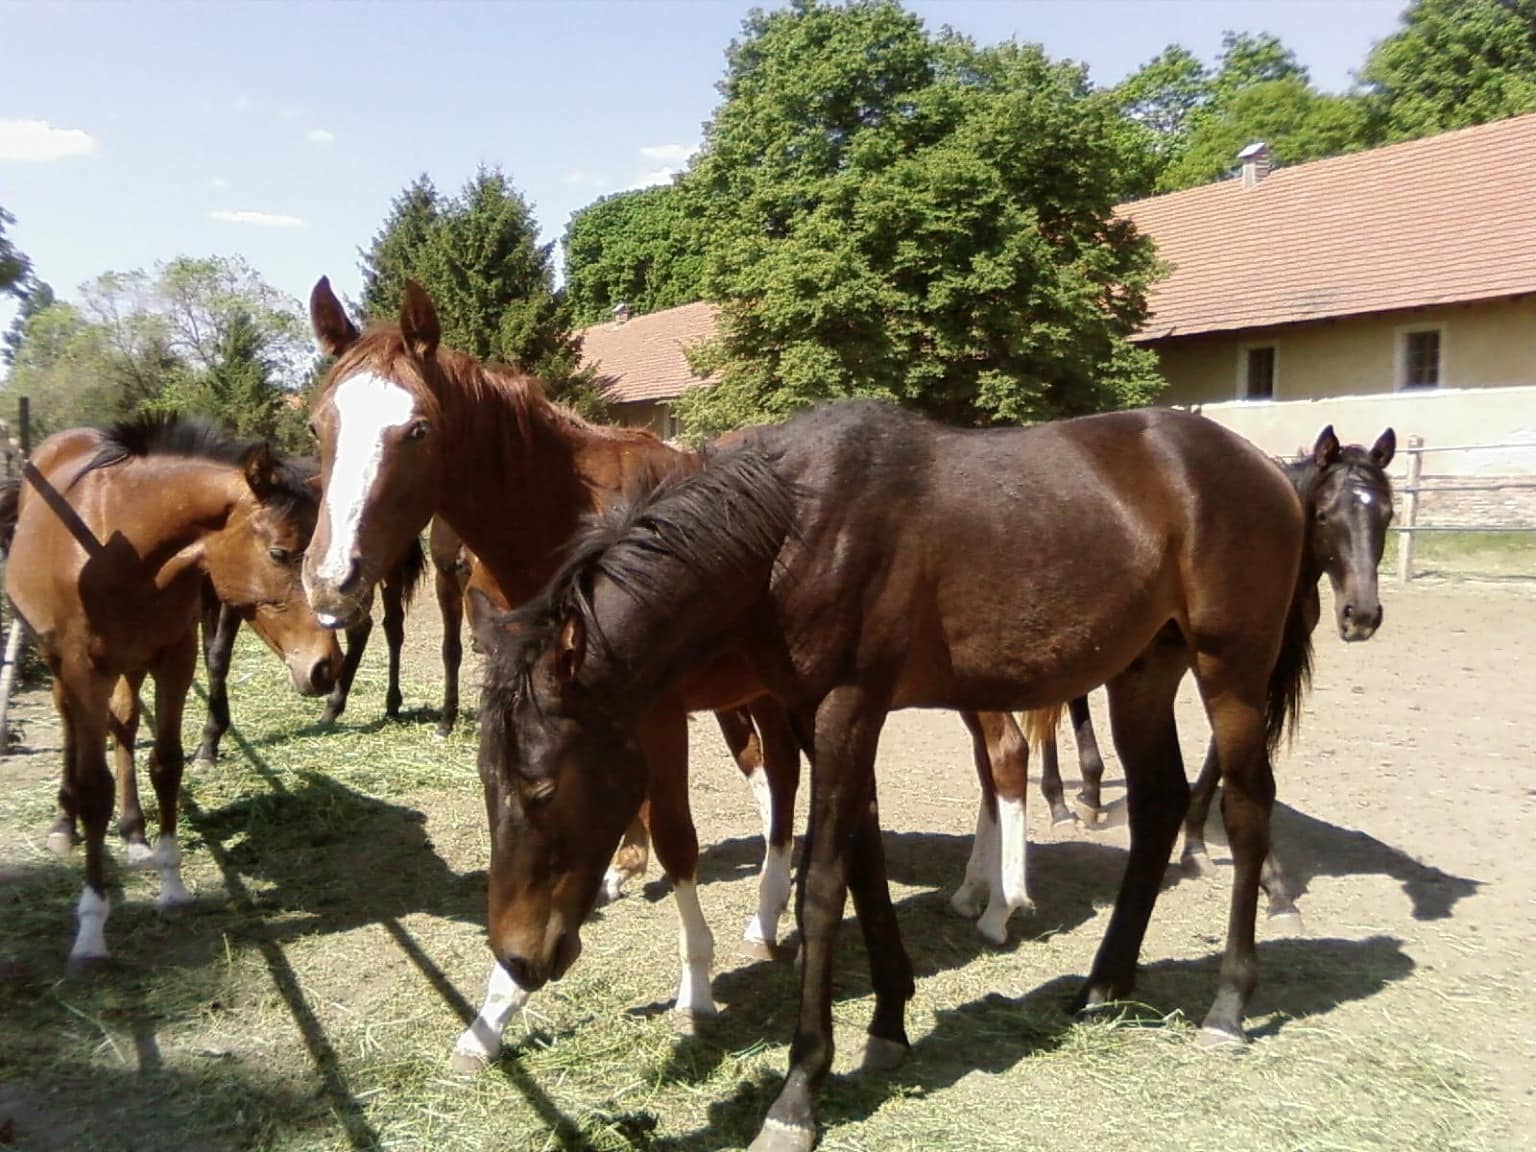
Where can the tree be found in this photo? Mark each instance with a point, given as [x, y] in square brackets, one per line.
[1247, 60]
[1298, 124]
[478, 256]
[890, 214]
[15, 268]
[1160, 102]
[1453, 63]
[38, 295]
[639, 248]
[397, 252]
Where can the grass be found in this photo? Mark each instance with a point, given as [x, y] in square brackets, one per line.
[1466, 555]
[310, 997]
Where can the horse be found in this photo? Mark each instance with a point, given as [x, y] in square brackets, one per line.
[410, 430]
[860, 558]
[1346, 496]
[116, 531]
[451, 565]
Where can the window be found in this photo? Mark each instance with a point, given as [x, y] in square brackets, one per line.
[670, 427]
[1256, 371]
[1421, 359]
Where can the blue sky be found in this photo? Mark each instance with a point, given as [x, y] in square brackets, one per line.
[280, 131]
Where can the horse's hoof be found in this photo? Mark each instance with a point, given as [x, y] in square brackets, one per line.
[968, 902]
[468, 1063]
[329, 717]
[756, 949]
[445, 730]
[777, 1136]
[1066, 820]
[172, 898]
[1285, 923]
[993, 929]
[1219, 1038]
[62, 843]
[686, 1022]
[1091, 815]
[612, 889]
[89, 963]
[137, 856]
[1196, 863]
[881, 1055]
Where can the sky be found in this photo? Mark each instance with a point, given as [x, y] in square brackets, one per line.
[281, 130]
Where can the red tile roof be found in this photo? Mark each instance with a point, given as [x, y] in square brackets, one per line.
[1441, 220]
[642, 359]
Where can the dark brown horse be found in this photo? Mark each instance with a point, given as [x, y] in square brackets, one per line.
[116, 533]
[859, 559]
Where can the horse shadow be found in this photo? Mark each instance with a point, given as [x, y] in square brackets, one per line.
[993, 1033]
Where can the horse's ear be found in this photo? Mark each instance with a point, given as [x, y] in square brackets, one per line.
[334, 331]
[1326, 450]
[570, 647]
[260, 467]
[1384, 449]
[418, 321]
[484, 620]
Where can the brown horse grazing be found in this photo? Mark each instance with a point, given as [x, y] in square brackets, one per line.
[408, 431]
[116, 532]
[859, 559]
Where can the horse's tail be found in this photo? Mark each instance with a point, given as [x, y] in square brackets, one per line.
[1040, 724]
[10, 499]
[1292, 674]
[410, 572]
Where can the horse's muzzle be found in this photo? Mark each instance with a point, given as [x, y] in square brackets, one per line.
[1356, 623]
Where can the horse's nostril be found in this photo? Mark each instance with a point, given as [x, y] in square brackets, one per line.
[1349, 611]
[320, 676]
[517, 968]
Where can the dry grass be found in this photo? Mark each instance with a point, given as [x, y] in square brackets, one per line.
[310, 997]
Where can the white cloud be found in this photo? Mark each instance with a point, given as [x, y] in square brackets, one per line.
[320, 136]
[655, 176]
[218, 184]
[41, 141]
[260, 219]
[668, 153]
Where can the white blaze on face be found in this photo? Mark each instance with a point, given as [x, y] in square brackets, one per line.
[367, 407]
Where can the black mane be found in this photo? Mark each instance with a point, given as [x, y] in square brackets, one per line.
[1354, 459]
[154, 434]
[666, 546]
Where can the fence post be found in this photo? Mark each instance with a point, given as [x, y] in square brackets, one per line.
[1410, 508]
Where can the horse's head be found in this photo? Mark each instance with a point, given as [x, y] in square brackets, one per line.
[381, 439]
[254, 565]
[1349, 502]
[563, 777]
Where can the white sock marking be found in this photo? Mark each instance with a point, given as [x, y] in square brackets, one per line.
[764, 796]
[1010, 887]
[503, 996]
[772, 896]
[367, 406]
[696, 951]
[972, 893]
[91, 938]
[167, 858]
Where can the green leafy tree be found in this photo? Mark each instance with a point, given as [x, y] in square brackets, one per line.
[1298, 124]
[1246, 60]
[398, 250]
[897, 215]
[15, 268]
[38, 295]
[1453, 63]
[1160, 103]
[639, 248]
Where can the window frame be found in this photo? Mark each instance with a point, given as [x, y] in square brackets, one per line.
[1244, 352]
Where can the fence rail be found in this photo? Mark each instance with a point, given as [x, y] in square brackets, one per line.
[1409, 527]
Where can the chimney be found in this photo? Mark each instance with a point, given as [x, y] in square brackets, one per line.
[620, 312]
[1255, 161]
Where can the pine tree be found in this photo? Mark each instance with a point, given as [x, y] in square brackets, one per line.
[399, 248]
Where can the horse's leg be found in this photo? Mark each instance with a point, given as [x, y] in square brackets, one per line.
[1008, 753]
[1195, 858]
[971, 897]
[890, 969]
[664, 739]
[220, 625]
[847, 733]
[776, 781]
[123, 727]
[1234, 690]
[632, 858]
[173, 671]
[394, 637]
[357, 644]
[1089, 761]
[448, 585]
[64, 832]
[85, 698]
[1141, 717]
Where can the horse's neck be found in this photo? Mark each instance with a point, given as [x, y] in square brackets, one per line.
[170, 509]
[1296, 472]
[512, 487]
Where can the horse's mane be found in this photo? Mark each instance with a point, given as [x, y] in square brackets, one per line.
[159, 434]
[1353, 458]
[664, 548]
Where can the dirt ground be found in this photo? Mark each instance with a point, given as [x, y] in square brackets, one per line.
[1407, 810]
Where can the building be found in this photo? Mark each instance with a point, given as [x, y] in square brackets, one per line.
[642, 364]
[1408, 267]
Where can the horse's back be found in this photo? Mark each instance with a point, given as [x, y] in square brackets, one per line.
[43, 555]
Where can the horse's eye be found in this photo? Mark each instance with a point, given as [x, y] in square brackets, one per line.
[417, 431]
[280, 555]
[313, 431]
[540, 791]
[1322, 517]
